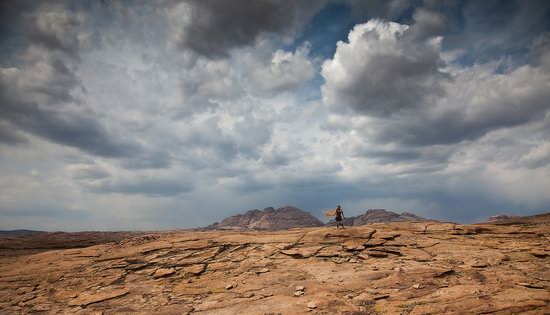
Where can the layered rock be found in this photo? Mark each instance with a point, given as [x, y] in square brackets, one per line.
[396, 268]
[269, 219]
[379, 216]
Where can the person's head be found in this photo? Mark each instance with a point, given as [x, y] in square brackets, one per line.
[338, 207]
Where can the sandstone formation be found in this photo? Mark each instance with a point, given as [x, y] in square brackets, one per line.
[378, 216]
[269, 219]
[390, 268]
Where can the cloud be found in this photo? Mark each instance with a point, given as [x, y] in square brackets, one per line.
[212, 28]
[56, 28]
[486, 32]
[282, 71]
[538, 156]
[37, 94]
[394, 74]
[10, 136]
[384, 69]
[275, 157]
[478, 101]
[88, 172]
[258, 71]
[150, 187]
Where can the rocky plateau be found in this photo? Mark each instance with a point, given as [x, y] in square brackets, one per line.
[378, 268]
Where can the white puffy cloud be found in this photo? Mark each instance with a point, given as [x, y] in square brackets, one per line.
[414, 102]
[382, 70]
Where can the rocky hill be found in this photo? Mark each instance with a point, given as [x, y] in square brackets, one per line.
[394, 268]
[519, 220]
[501, 217]
[378, 216]
[269, 219]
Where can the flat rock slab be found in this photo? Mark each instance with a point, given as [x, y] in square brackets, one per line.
[302, 252]
[195, 269]
[89, 298]
[395, 268]
[164, 272]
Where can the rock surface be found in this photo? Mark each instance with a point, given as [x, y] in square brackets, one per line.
[35, 242]
[395, 268]
[378, 216]
[269, 219]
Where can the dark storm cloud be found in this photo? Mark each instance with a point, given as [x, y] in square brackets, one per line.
[215, 27]
[75, 129]
[36, 90]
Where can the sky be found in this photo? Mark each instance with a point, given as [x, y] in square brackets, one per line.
[144, 115]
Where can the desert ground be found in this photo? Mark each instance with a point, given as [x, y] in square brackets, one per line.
[397, 268]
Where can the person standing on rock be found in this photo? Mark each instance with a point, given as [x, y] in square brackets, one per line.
[339, 217]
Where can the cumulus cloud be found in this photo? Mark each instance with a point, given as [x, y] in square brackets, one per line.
[478, 101]
[385, 68]
[258, 71]
[415, 98]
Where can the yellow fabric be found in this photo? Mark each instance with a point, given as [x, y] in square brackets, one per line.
[330, 213]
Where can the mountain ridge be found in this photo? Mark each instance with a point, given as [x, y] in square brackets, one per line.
[268, 219]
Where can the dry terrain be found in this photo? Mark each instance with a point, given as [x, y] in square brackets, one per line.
[44, 241]
[397, 268]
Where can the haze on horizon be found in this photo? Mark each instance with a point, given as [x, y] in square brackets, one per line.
[132, 115]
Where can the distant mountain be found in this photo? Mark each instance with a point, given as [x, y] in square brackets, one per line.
[269, 219]
[377, 216]
[18, 233]
[502, 219]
